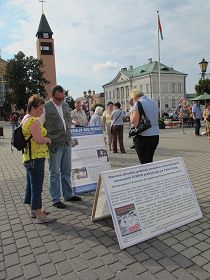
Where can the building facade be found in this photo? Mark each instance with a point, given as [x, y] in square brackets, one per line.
[146, 78]
[3, 64]
[46, 52]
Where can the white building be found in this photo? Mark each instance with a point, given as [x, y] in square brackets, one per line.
[145, 78]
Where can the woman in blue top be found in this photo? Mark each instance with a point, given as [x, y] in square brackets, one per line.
[147, 141]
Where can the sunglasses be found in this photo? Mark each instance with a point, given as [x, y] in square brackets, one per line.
[60, 99]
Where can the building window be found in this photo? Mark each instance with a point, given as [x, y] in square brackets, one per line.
[147, 88]
[141, 87]
[173, 102]
[118, 94]
[173, 87]
[106, 95]
[122, 92]
[179, 87]
[46, 48]
[166, 106]
[113, 94]
[127, 92]
[110, 94]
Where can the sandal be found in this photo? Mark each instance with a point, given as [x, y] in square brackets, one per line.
[33, 213]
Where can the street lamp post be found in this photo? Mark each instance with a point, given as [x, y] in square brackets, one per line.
[203, 66]
[87, 95]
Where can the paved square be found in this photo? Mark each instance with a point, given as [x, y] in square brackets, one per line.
[75, 248]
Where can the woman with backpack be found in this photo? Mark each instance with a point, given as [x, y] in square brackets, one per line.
[34, 158]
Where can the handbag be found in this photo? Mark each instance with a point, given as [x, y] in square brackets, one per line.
[143, 125]
[208, 118]
[111, 128]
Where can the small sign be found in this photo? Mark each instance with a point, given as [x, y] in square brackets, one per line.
[149, 200]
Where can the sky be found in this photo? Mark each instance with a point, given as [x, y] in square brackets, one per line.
[94, 39]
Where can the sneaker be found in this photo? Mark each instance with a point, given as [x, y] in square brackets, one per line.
[44, 220]
[59, 205]
[74, 198]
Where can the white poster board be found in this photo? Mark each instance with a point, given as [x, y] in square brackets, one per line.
[151, 199]
[89, 157]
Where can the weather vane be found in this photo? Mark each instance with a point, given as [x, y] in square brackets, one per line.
[42, 1]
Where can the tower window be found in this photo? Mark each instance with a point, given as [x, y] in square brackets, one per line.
[45, 35]
[46, 48]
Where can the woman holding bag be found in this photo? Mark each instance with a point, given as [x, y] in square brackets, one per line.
[147, 141]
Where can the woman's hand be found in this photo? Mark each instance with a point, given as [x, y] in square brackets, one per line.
[48, 140]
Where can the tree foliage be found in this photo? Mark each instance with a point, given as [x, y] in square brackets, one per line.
[203, 86]
[24, 77]
[70, 100]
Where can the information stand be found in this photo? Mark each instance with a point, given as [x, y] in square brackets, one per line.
[148, 200]
[100, 206]
[89, 158]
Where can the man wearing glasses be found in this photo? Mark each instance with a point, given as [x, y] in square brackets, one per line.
[57, 121]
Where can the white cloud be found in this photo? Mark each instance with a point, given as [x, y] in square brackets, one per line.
[105, 66]
[125, 31]
[2, 24]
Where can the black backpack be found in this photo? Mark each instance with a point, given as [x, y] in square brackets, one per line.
[18, 140]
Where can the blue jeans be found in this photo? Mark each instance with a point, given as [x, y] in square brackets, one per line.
[34, 182]
[60, 173]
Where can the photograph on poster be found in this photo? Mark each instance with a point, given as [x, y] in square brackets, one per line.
[102, 155]
[79, 173]
[74, 142]
[128, 219]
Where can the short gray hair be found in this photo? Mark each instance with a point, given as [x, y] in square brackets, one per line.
[99, 110]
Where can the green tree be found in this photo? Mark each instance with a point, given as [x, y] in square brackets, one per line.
[203, 86]
[24, 77]
[70, 100]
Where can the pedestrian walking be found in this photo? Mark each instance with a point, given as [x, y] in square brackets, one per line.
[197, 116]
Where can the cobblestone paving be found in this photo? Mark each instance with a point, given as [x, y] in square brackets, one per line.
[76, 248]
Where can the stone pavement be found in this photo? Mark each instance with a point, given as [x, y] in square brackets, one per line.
[76, 248]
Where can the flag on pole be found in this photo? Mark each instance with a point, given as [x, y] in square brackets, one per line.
[160, 28]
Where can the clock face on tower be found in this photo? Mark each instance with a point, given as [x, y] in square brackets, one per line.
[46, 48]
[46, 35]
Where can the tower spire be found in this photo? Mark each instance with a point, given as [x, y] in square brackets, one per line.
[42, 1]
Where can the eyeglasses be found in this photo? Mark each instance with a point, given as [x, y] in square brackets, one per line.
[60, 99]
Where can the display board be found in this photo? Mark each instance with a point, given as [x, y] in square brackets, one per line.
[151, 199]
[89, 158]
[100, 205]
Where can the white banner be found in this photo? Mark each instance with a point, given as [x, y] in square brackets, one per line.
[148, 200]
[89, 158]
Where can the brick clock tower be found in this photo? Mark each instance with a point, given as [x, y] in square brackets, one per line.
[46, 52]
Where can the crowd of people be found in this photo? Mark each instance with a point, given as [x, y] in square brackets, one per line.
[48, 124]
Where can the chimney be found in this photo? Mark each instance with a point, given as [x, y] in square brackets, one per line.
[150, 60]
[131, 67]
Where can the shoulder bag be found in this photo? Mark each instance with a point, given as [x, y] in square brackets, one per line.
[114, 122]
[143, 125]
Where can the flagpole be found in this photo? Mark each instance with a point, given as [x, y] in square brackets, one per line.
[159, 89]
